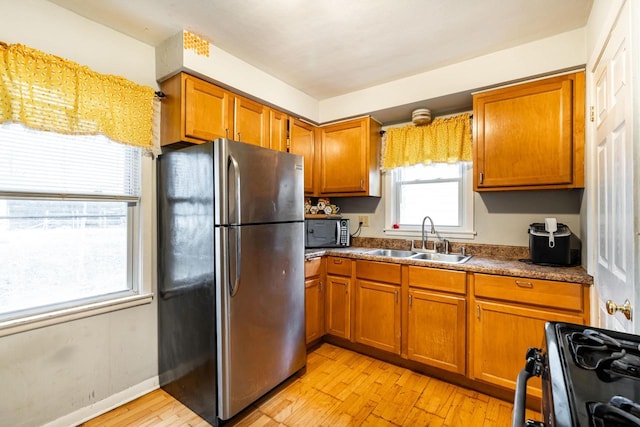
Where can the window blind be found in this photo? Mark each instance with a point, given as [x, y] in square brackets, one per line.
[67, 165]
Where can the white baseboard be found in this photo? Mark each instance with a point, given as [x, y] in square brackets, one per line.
[105, 405]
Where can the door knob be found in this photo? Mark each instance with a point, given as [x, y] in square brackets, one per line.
[625, 309]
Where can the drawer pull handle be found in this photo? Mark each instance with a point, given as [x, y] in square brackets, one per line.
[524, 284]
[337, 261]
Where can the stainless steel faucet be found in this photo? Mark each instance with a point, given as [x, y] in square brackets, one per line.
[424, 238]
[433, 231]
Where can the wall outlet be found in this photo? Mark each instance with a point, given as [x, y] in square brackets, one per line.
[364, 219]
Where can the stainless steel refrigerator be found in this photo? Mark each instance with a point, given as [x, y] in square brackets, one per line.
[230, 274]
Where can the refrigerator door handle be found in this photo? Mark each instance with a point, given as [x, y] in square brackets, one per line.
[234, 283]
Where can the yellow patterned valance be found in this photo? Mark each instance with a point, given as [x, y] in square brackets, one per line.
[443, 141]
[49, 93]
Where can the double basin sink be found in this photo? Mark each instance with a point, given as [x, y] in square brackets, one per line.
[429, 256]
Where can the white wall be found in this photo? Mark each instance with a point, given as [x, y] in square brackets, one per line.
[224, 69]
[48, 373]
[500, 218]
[566, 50]
[563, 51]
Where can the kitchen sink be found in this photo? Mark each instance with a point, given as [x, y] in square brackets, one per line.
[446, 258]
[394, 253]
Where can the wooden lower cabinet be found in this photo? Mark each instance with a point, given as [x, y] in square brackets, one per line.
[338, 298]
[377, 305]
[436, 330]
[474, 325]
[314, 293]
[508, 315]
[378, 315]
[338, 308]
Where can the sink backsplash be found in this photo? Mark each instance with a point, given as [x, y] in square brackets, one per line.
[494, 251]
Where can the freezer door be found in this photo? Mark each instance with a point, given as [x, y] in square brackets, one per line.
[261, 316]
[257, 185]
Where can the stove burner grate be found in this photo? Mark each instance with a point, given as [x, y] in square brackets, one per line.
[618, 412]
[611, 359]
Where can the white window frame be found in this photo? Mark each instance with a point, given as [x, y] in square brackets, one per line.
[466, 229]
[141, 268]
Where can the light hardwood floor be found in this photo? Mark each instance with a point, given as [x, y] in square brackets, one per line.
[339, 388]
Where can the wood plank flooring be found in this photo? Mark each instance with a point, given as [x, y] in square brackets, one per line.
[339, 388]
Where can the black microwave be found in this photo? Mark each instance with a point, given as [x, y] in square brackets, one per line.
[326, 233]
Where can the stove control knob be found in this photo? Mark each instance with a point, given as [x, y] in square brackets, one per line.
[535, 363]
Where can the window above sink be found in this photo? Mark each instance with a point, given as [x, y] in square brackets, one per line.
[411, 191]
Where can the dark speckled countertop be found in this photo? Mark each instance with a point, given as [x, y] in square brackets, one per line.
[484, 262]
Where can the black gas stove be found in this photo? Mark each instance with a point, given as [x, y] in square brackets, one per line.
[590, 378]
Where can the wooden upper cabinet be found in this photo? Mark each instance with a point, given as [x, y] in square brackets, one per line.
[194, 110]
[530, 136]
[302, 142]
[349, 158]
[251, 122]
[278, 130]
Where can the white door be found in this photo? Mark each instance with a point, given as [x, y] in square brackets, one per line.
[613, 150]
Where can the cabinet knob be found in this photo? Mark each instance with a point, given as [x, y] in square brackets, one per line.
[625, 309]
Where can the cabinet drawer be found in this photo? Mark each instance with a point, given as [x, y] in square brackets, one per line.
[378, 271]
[339, 266]
[546, 293]
[437, 279]
[312, 267]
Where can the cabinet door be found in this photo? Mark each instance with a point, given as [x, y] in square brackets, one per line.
[302, 142]
[345, 158]
[207, 110]
[502, 333]
[529, 136]
[338, 308]
[378, 315]
[278, 130]
[314, 309]
[437, 330]
[251, 122]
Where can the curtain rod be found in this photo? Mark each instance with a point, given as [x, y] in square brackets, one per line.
[382, 132]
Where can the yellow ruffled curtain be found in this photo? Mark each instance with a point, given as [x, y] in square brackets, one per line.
[445, 140]
[49, 93]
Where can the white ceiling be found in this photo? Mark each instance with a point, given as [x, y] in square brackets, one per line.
[327, 48]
